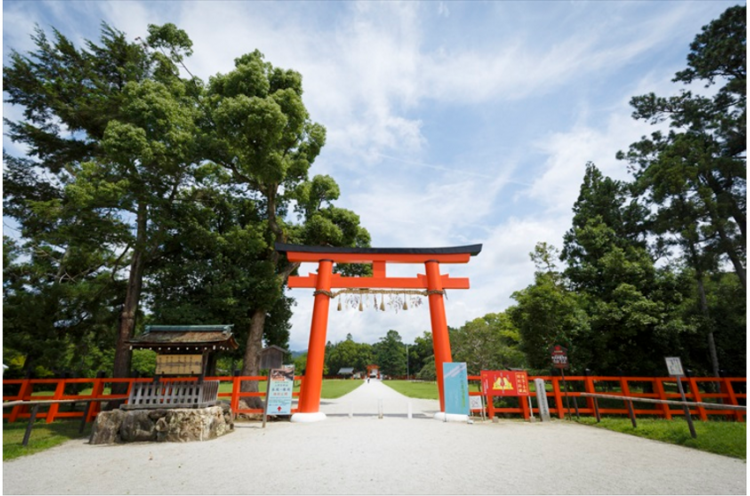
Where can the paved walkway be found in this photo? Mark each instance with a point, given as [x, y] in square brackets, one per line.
[393, 455]
[364, 402]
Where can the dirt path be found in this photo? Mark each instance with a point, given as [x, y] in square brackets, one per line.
[393, 455]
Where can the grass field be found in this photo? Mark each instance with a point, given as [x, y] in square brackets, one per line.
[722, 438]
[420, 390]
[43, 436]
[335, 388]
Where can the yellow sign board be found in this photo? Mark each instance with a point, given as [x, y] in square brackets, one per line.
[179, 364]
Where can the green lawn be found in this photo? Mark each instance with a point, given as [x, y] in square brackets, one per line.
[723, 438]
[421, 390]
[43, 436]
[336, 388]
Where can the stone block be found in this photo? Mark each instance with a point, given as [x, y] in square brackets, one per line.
[106, 429]
[137, 426]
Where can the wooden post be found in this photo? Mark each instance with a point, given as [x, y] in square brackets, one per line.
[54, 407]
[235, 401]
[558, 397]
[629, 403]
[96, 392]
[524, 406]
[659, 387]
[440, 340]
[23, 393]
[726, 384]
[32, 419]
[697, 398]
[309, 401]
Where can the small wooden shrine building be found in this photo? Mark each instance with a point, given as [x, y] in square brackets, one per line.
[184, 350]
[272, 357]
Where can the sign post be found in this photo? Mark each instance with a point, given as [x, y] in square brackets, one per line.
[279, 392]
[504, 383]
[674, 366]
[560, 361]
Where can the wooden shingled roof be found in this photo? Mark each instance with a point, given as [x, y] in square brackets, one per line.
[200, 336]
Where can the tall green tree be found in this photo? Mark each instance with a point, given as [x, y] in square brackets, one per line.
[114, 125]
[548, 313]
[695, 175]
[390, 354]
[258, 128]
[487, 343]
[633, 308]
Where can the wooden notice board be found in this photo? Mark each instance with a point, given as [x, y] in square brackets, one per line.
[179, 364]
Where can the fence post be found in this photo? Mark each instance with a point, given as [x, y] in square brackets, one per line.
[235, 404]
[558, 397]
[697, 397]
[97, 391]
[626, 392]
[23, 392]
[659, 387]
[54, 407]
[726, 385]
[592, 403]
[524, 403]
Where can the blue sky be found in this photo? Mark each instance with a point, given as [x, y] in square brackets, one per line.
[449, 123]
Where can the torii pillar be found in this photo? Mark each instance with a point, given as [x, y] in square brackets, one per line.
[325, 280]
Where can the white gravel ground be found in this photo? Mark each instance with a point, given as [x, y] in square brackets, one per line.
[394, 455]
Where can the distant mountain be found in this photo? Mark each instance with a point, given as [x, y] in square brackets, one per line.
[295, 354]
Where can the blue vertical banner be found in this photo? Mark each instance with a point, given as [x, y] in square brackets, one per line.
[456, 388]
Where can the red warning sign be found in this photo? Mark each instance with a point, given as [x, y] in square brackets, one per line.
[505, 383]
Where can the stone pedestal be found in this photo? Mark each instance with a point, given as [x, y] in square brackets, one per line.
[159, 425]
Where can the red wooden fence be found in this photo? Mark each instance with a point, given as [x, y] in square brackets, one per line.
[661, 388]
[664, 388]
[98, 385]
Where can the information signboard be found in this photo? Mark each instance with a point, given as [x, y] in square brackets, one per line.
[559, 357]
[674, 365]
[280, 386]
[456, 388]
[179, 364]
[505, 383]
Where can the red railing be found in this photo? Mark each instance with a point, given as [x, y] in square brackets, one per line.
[664, 388]
[98, 386]
[659, 388]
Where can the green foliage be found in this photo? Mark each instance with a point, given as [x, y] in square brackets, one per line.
[722, 438]
[390, 354]
[694, 177]
[427, 372]
[347, 353]
[487, 343]
[421, 353]
[548, 313]
[189, 184]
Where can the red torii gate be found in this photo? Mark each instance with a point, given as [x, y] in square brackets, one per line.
[432, 281]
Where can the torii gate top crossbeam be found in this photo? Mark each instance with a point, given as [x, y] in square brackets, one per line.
[452, 254]
[378, 257]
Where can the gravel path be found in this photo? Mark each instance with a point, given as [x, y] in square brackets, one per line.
[393, 455]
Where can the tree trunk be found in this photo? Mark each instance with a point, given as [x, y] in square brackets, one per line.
[132, 297]
[706, 318]
[251, 364]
